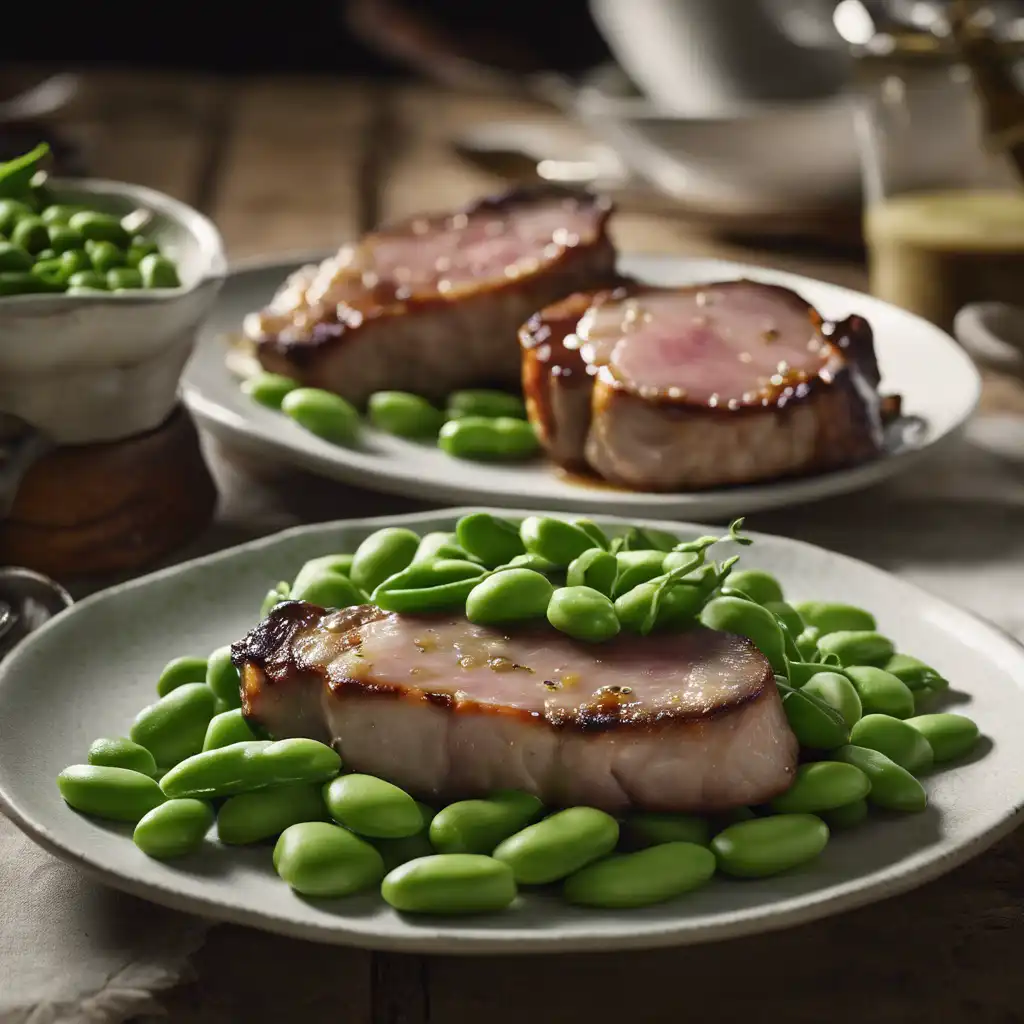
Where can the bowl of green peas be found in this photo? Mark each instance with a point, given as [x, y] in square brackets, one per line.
[103, 285]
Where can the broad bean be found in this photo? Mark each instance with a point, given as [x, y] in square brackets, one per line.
[340, 564]
[317, 858]
[174, 828]
[486, 403]
[122, 753]
[269, 389]
[436, 586]
[226, 728]
[881, 692]
[275, 596]
[816, 725]
[788, 616]
[896, 739]
[554, 539]
[950, 736]
[758, 585]
[594, 532]
[439, 545]
[495, 541]
[680, 604]
[583, 613]
[857, 647]
[807, 643]
[767, 846]
[595, 568]
[321, 412]
[104, 791]
[847, 816]
[892, 787]
[158, 272]
[476, 437]
[450, 883]
[634, 568]
[372, 807]
[915, 673]
[834, 617]
[223, 678]
[732, 615]
[836, 690]
[509, 595]
[174, 727]
[478, 826]
[383, 554]
[179, 671]
[330, 590]
[650, 829]
[266, 813]
[100, 227]
[821, 786]
[404, 414]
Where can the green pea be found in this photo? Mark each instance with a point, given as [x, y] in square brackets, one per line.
[807, 643]
[179, 671]
[322, 413]
[123, 279]
[222, 677]
[104, 255]
[838, 692]
[175, 726]
[340, 564]
[788, 616]
[382, 555]
[820, 786]
[99, 227]
[816, 725]
[30, 234]
[60, 213]
[13, 257]
[316, 858]
[478, 826]
[174, 829]
[881, 692]
[450, 883]
[495, 541]
[266, 813]
[437, 598]
[474, 437]
[121, 752]
[833, 617]
[583, 613]
[228, 727]
[768, 846]
[892, 787]
[12, 211]
[596, 569]
[372, 807]
[91, 279]
[559, 845]
[634, 568]
[278, 593]
[404, 414]
[915, 673]
[554, 539]
[732, 615]
[594, 532]
[760, 586]
[509, 595]
[650, 829]
[848, 816]
[64, 238]
[485, 403]
[950, 736]
[330, 590]
[857, 647]
[105, 791]
[894, 738]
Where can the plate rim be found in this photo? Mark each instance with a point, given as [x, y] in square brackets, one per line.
[898, 877]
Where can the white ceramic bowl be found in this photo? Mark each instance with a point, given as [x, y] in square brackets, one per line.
[91, 368]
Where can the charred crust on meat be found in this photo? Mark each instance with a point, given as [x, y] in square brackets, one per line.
[274, 634]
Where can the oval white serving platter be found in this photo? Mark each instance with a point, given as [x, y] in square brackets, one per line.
[939, 384]
[88, 671]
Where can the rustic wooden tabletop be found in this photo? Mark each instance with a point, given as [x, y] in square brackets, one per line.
[303, 164]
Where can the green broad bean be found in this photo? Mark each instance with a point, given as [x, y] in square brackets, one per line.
[554, 539]
[641, 879]
[892, 787]
[104, 256]
[404, 414]
[174, 829]
[474, 437]
[30, 234]
[680, 560]
[915, 673]
[534, 562]
[651, 829]
[340, 563]
[881, 692]
[179, 671]
[450, 883]
[478, 826]
[174, 727]
[372, 807]
[432, 574]
[769, 846]
[121, 752]
[13, 257]
[317, 858]
[105, 791]
[64, 238]
[18, 282]
[679, 606]
[74, 261]
[634, 568]
[760, 586]
[322, 413]
[732, 615]
[848, 816]
[265, 813]
[896, 739]
[278, 593]
[223, 678]
[558, 845]
[495, 541]
[330, 590]
[59, 213]
[583, 613]
[799, 673]
[788, 616]
[833, 617]
[509, 595]
[228, 727]
[122, 279]
[100, 227]
[52, 272]
[158, 272]
[816, 725]
[383, 554]
[16, 175]
[660, 540]
[595, 568]
[422, 600]
[822, 786]
[396, 852]
[268, 389]
[486, 403]
[90, 279]
[11, 211]
[439, 545]
[857, 647]
[836, 690]
[594, 532]
[950, 736]
[807, 643]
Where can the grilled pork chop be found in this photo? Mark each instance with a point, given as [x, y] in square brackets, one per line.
[671, 722]
[434, 303]
[697, 387]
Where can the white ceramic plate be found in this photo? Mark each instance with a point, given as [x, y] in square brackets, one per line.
[87, 672]
[938, 381]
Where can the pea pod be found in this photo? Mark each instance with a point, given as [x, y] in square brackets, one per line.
[423, 600]
[857, 647]
[269, 389]
[226, 728]
[316, 858]
[509, 595]
[450, 883]
[892, 787]
[821, 786]
[915, 673]
[838, 692]
[173, 829]
[583, 614]
[486, 403]
[104, 791]
[834, 617]
[594, 532]
[320, 412]
[495, 541]
[329, 590]
[881, 692]
[595, 568]
[554, 539]
[478, 826]
[174, 727]
[266, 813]
[372, 807]
[122, 753]
[634, 568]
[760, 586]
[17, 174]
[340, 564]
[848, 816]
[768, 846]
[650, 829]
[641, 879]
[732, 615]
[223, 679]
[816, 725]
[383, 554]
[788, 616]
[950, 736]
[404, 414]
[896, 739]
[559, 845]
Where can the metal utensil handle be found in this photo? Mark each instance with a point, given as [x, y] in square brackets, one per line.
[992, 333]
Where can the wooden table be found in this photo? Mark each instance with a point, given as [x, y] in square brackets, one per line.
[304, 164]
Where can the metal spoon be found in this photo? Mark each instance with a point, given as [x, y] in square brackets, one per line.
[27, 600]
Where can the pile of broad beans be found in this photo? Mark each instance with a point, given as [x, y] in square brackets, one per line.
[864, 715]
